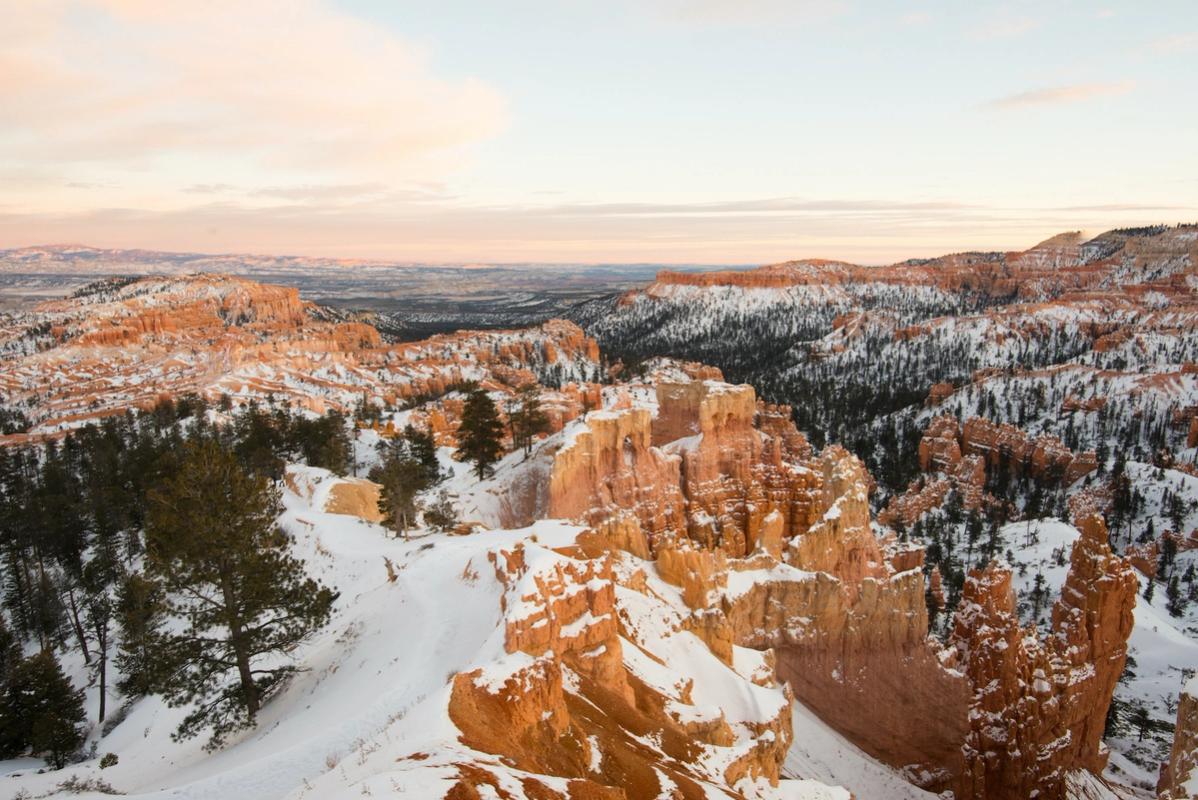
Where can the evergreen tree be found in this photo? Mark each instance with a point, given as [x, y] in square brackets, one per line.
[440, 515]
[261, 441]
[97, 613]
[401, 478]
[1177, 513]
[211, 539]
[324, 442]
[1039, 593]
[48, 615]
[1140, 720]
[1116, 715]
[423, 449]
[1167, 556]
[479, 433]
[140, 609]
[1175, 601]
[526, 417]
[41, 711]
[1149, 590]
[973, 531]
[10, 652]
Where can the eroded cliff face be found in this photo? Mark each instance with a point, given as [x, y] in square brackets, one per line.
[1039, 705]
[609, 469]
[582, 692]
[1065, 266]
[86, 357]
[1179, 775]
[957, 457]
[772, 549]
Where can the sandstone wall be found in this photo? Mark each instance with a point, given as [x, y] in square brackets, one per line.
[773, 549]
[1179, 775]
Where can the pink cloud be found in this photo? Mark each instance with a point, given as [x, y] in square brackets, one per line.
[1059, 95]
[293, 85]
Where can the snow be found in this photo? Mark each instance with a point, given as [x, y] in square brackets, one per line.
[380, 669]
[368, 714]
[820, 753]
[1040, 547]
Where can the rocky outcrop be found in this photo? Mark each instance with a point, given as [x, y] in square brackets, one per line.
[324, 491]
[940, 447]
[216, 335]
[962, 456]
[773, 549]
[1044, 457]
[567, 701]
[1179, 775]
[357, 497]
[1062, 266]
[724, 475]
[939, 393]
[1039, 706]
[609, 468]
[740, 465]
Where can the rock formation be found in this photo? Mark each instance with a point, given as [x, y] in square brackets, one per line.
[1063, 265]
[1039, 706]
[772, 549]
[214, 335]
[1044, 457]
[959, 458]
[610, 469]
[569, 700]
[1179, 775]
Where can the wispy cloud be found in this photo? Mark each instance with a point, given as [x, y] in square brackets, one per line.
[325, 192]
[1004, 24]
[276, 85]
[1175, 43]
[744, 231]
[746, 12]
[1060, 95]
[209, 188]
[763, 206]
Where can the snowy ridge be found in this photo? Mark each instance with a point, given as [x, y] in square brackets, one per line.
[369, 713]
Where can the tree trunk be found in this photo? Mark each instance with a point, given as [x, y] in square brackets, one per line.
[78, 626]
[102, 647]
[249, 690]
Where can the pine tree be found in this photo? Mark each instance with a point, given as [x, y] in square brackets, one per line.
[261, 439]
[441, 515]
[140, 609]
[1167, 557]
[41, 711]
[324, 442]
[211, 539]
[400, 478]
[526, 417]
[1038, 594]
[97, 613]
[10, 653]
[423, 448]
[1175, 600]
[479, 433]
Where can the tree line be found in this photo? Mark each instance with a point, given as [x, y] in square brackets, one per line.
[147, 544]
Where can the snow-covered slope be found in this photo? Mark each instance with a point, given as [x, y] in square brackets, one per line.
[369, 713]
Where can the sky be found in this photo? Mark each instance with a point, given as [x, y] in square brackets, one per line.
[662, 131]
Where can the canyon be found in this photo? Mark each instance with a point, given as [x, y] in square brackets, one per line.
[682, 590]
